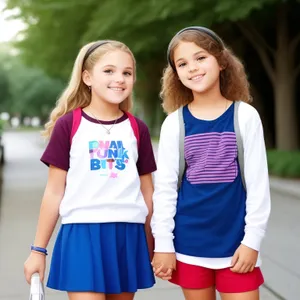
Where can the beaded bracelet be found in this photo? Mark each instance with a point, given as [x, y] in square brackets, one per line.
[39, 249]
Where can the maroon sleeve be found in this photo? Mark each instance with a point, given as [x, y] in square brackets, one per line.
[57, 152]
[146, 161]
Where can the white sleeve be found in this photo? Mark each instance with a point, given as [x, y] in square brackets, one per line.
[258, 203]
[165, 185]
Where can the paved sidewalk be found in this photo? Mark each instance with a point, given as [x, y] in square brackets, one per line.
[284, 186]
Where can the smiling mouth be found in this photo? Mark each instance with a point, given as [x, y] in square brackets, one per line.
[197, 77]
[117, 89]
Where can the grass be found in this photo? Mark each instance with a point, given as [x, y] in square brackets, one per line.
[284, 163]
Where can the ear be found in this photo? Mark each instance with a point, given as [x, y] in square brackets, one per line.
[223, 67]
[86, 78]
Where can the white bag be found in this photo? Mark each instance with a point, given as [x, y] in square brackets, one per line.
[37, 291]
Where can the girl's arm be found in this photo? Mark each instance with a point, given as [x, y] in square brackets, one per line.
[165, 191]
[258, 192]
[49, 211]
[49, 214]
[258, 203]
[147, 191]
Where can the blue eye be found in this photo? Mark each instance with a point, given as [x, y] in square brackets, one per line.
[181, 65]
[109, 71]
[201, 57]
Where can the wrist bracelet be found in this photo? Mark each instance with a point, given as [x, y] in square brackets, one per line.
[39, 249]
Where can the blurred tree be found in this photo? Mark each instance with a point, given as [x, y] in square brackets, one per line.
[54, 32]
[4, 90]
[4, 81]
[56, 29]
[33, 93]
[29, 91]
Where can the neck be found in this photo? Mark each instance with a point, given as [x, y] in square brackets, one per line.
[103, 110]
[211, 97]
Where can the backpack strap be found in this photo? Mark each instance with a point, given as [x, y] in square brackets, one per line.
[182, 165]
[135, 127]
[76, 122]
[239, 141]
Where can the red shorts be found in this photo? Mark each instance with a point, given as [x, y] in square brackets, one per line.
[195, 277]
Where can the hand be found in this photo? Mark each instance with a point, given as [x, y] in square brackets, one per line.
[244, 259]
[35, 263]
[163, 265]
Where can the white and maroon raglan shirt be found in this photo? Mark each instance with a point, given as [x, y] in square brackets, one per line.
[103, 183]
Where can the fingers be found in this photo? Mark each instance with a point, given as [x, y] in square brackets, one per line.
[250, 268]
[161, 272]
[158, 270]
[29, 273]
[42, 275]
[28, 277]
[237, 267]
[168, 273]
[235, 259]
[243, 267]
[31, 268]
[165, 275]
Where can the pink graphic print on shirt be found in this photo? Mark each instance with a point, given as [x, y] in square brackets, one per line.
[108, 156]
[211, 157]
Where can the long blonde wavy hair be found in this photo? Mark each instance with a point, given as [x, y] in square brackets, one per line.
[234, 84]
[77, 94]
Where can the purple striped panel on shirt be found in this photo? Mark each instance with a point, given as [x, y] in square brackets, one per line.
[211, 157]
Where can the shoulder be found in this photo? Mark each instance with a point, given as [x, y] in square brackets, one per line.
[142, 128]
[64, 123]
[171, 122]
[141, 124]
[247, 114]
[66, 119]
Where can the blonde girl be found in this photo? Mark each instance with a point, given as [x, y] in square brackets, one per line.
[100, 162]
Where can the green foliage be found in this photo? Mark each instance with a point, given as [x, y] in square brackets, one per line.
[284, 163]
[57, 29]
[4, 85]
[235, 10]
[4, 89]
[2, 123]
[31, 91]
[54, 32]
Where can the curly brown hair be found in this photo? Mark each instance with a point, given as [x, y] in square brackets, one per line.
[234, 84]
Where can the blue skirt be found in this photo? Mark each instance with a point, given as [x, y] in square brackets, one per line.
[108, 258]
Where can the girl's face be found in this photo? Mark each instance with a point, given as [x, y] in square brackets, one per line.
[112, 77]
[196, 68]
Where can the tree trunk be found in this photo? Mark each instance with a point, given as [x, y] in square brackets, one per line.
[284, 88]
[282, 75]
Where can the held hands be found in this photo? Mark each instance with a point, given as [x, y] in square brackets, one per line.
[35, 263]
[163, 265]
[244, 259]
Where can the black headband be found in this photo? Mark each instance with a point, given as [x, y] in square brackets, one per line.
[92, 49]
[205, 30]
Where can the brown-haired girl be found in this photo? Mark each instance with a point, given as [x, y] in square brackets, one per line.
[209, 230]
